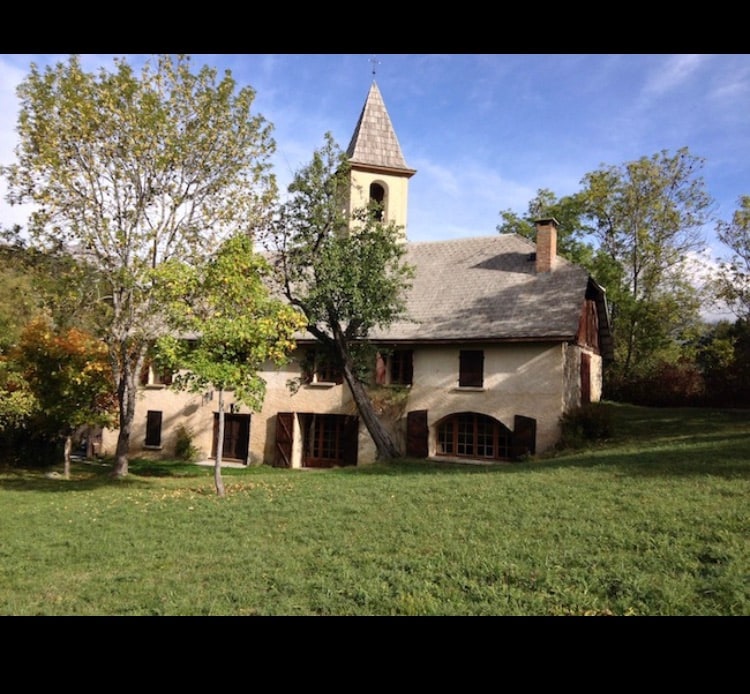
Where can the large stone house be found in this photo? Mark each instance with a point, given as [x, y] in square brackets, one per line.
[503, 337]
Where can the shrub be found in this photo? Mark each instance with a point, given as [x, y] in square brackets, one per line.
[665, 384]
[184, 448]
[592, 422]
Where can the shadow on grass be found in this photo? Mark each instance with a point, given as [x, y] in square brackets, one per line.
[648, 442]
[93, 474]
[722, 454]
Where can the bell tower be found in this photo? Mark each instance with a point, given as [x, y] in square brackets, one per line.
[378, 169]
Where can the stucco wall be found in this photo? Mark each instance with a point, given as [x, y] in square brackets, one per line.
[519, 379]
[396, 188]
[527, 380]
[572, 367]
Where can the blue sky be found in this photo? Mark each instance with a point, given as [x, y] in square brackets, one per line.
[485, 132]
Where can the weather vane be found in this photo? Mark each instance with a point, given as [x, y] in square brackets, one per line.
[374, 62]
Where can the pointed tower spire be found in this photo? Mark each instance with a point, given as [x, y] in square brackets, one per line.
[374, 142]
[378, 169]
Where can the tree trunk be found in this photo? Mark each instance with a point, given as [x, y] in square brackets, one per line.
[126, 394]
[219, 447]
[126, 398]
[384, 443]
[67, 450]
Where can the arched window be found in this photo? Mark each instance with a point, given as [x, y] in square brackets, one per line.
[473, 435]
[377, 195]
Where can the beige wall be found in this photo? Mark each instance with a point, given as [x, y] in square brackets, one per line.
[396, 188]
[196, 412]
[519, 379]
[536, 380]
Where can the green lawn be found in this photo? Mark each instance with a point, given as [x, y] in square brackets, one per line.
[654, 521]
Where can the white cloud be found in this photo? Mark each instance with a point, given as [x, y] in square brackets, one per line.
[674, 72]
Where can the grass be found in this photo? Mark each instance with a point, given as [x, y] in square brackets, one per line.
[653, 521]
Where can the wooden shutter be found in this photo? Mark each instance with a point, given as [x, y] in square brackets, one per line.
[523, 441]
[380, 370]
[471, 368]
[349, 440]
[417, 434]
[284, 439]
[153, 428]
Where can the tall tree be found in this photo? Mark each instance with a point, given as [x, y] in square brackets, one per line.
[130, 171]
[648, 215]
[236, 327]
[69, 374]
[733, 279]
[569, 211]
[345, 272]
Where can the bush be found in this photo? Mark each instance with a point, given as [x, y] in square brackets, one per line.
[666, 384]
[183, 447]
[592, 422]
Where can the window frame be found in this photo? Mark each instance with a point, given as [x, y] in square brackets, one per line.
[464, 434]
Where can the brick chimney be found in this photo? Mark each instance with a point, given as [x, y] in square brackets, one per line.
[546, 244]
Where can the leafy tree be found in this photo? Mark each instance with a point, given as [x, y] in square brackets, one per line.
[647, 216]
[35, 282]
[723, 353]
[69, 375]
[130, 171]
[733, 280]
[237, 327]
[569, 211]
[17, 402]
[633, 227]
[345, 272]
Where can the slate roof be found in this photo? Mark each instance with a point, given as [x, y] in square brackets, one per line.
[374, 142]
[487, 288]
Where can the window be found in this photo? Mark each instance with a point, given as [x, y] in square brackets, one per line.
[401, 367]
[153, 428]
[329, 440]
[394, 368]
[472, 435]
[319, 367]
[151, 376]
[471, 368]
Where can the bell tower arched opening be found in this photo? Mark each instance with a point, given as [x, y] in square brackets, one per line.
[378, 196]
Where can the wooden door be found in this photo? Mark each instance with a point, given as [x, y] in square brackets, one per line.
[236, 436]
[284, 439]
